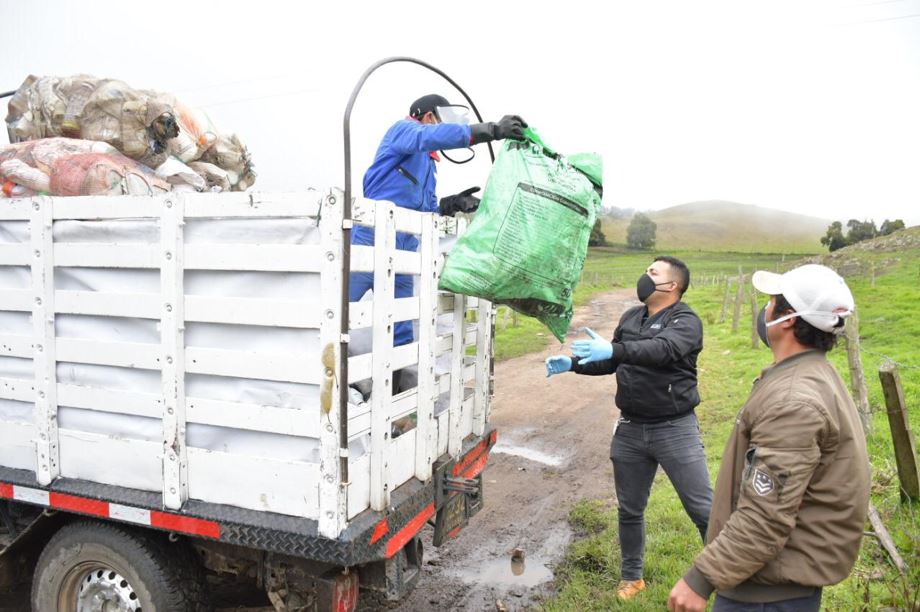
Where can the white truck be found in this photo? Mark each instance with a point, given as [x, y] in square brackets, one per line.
[173, 380]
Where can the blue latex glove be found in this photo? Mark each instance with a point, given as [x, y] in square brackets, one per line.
[557, 364]
[595, 349]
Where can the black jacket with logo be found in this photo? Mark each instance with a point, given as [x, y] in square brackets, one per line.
[655, 362]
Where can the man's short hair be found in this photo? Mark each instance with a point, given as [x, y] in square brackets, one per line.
[680, 269]
[805, 332]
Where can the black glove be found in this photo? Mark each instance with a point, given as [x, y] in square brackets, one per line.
[464, 202]
[510, 126]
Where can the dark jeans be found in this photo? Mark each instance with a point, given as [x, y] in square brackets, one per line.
[811, 603]
[636, 451]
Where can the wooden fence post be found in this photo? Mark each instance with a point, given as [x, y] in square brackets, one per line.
[739, 296]
[755, 337]
[857, 377]
[905, 451]
[728, 284]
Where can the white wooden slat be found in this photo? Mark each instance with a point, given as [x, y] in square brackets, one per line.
[254, 257]
[19, 209]
[425, 428]
[252, 417]
[19, 300]
[137, 305]
[445, 300]
[361, 313]
[384, 246]
[362, 258]
[110, 207]
[407, 262]
[454, 440]
[122, 354]
[359, 486]
[106, 255]
[148, 405]
[401, 457]
[172, 359]
[403, 405]
[359, 367]
[15, 255]
[18, 389]
[16, 345]
[17, 446]
[466, 419]
[287, 367]
[404, 356]
[407, 221]
[256, 483]
[359, 421]
[443, 420]
[47, 445]
[123, 462]
[253, 204]
[333, 502]
[486, 314]
[445, 343]
[301, 314]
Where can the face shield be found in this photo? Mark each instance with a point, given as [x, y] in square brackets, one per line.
[453, 113]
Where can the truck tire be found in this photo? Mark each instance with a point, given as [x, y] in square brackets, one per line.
[105, 566]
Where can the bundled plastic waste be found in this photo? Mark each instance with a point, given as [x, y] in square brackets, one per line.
[147, 126]
[70, 167]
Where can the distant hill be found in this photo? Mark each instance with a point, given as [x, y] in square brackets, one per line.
[878, 253]
[728, 226]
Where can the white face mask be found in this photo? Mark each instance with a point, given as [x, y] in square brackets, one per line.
[821, 313]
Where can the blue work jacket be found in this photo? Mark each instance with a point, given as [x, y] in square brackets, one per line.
[404, 171]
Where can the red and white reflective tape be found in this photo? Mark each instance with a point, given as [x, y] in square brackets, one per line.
[118, 512]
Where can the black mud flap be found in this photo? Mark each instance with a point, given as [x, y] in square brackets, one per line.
[456, 500]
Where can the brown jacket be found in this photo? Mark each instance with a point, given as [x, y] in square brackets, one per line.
[792, 495]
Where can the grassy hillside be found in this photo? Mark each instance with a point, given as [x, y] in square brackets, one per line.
[886, 302]
[728, 226]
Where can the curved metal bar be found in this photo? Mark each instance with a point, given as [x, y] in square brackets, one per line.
[346, 251]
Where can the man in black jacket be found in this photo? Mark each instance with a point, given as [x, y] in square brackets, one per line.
[653, 353]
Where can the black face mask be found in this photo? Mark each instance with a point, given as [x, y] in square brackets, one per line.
[762, 325]
[646, 286]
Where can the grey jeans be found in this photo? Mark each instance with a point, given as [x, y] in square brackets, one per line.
[636, 451]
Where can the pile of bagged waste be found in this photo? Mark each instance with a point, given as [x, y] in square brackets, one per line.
[101, 136]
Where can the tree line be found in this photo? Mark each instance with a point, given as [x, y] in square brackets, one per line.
[857, 231]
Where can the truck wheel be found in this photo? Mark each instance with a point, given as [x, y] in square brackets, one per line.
[90, 566]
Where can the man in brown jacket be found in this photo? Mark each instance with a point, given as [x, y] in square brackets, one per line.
[792, 494]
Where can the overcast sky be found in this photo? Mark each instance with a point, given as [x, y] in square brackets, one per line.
[808, 106]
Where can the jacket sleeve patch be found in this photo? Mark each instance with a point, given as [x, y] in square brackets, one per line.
[762, 483]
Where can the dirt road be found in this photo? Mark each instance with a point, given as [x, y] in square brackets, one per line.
[553, 450]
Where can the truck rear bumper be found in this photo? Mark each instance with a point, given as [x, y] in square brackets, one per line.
[371, 536]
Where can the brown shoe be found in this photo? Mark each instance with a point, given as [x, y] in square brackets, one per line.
[628, 589]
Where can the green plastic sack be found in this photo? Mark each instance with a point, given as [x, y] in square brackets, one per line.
[527, 243]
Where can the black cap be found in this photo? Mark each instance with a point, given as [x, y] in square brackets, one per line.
[427, 104]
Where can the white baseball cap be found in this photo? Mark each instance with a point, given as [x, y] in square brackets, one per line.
[818, 294]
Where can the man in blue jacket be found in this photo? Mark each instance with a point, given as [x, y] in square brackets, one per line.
[404, 173]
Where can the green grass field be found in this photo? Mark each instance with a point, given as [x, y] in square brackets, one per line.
[728, 365]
